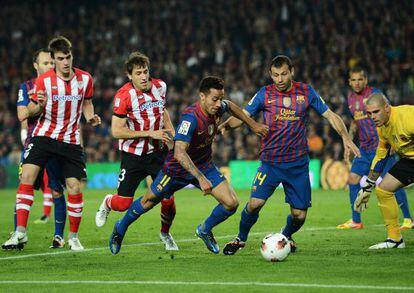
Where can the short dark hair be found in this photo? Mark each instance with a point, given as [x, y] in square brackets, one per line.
[59, 44]
[279, 61]
[37, 53]
[211, 82]
[357, 69]
[136, 59]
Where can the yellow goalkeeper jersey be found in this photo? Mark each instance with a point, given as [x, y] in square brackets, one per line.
[398, 134]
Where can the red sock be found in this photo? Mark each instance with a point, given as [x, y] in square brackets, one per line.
[167, 214]
[24, 200]
[75, 208]
[119, 203]
[47, 195]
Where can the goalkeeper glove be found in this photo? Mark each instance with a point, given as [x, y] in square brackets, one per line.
[361, 202]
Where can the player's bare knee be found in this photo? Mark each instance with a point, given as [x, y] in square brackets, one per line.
[299, 215]
[255, 205]
[28, 178]
[232, 204]
[73, 186]
[354, 179]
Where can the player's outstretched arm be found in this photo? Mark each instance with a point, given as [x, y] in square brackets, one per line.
[181, 155]
[121, 131]
[242, 115]
[338, 124]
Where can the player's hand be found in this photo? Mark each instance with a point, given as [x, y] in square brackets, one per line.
[350, 146]
[205, 185]
[261, 130]
[41, 99]
[223, 127]
[163, 134]
[95, 120]
[361, 202]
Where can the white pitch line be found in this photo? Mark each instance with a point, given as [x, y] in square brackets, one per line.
[261, 284]
[310, 229]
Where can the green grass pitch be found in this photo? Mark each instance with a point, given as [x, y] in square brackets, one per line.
[327, 259]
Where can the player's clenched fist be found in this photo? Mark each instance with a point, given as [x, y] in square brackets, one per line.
[41, 98]
[95, 120]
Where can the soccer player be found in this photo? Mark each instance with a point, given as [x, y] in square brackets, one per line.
[368, 140]
[42, 62]
[60, 97]
[190, 162]
[143, 126]
[396, 131]
[284, 152]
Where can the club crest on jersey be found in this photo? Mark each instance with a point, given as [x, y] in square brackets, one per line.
[80, 84]
[117, 102]
[184, 127]
[357, 105]
[210, 129]
[287, 102]
[300, 99]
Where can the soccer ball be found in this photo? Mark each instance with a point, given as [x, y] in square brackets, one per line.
[275, 247]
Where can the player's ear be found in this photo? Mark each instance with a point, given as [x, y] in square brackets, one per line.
[36, 66]
[293, 71]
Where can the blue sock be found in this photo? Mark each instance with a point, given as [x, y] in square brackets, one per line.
[292, 226]
[353, 193]
[401, 197]
[246, 223]
[15, 218]
[133, 213]
[60, 215]
[218, 215]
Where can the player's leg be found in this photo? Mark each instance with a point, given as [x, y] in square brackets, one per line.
[228, 203]
[360, 167]
[131, 174]
[47, 200]
[400, 175]
[401, 196]
[264, 184]
[296, 185]
[162, 186]
[71, 158]
[57, 185]
[35, 158]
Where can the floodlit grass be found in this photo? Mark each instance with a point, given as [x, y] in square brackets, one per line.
[325, 256]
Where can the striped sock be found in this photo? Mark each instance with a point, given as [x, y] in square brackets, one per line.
[75, 209]
[167, 214]
[24, 200]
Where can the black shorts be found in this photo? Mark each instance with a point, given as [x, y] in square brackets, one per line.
[403, 170]
[135, 168]
[70, 157]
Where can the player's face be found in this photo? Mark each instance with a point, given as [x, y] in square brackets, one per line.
[282, 77]
[63, 63]
[140, 77]
[44, 63]
[357, 81]
[379, 114]
[211, 102]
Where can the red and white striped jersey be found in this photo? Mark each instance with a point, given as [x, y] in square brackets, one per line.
[61, 115]
[144, 111]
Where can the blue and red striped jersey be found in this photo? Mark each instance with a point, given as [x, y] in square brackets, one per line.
[199, 130]
[285, 113]
[367, 132]
[26, 90]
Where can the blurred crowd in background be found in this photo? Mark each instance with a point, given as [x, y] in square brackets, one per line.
[187, 40]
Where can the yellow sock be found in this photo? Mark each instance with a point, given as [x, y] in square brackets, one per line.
[389, 209]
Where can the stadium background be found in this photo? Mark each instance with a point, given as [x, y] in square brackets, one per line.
[187, 40]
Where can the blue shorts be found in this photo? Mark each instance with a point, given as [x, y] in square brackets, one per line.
[362, 165]
[53, 170]
[295, 179]
[164, 186]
